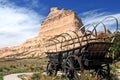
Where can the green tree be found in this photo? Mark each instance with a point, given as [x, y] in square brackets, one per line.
[115, 49]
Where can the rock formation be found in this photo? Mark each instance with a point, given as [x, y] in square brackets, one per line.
[57, 21]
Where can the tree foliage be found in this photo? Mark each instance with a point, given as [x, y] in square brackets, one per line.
[115, 49]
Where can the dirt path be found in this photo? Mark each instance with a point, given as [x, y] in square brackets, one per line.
[14, 76]
[118, 73]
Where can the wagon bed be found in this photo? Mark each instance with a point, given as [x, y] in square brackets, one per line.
[92, 51]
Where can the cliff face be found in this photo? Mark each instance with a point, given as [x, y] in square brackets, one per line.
[57, 21]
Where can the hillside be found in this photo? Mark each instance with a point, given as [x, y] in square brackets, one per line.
[57, 21]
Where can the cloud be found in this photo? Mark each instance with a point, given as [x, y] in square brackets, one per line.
[95, 16]
[17, 23]
[34, 3]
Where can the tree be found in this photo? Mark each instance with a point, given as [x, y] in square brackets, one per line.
[115, 49]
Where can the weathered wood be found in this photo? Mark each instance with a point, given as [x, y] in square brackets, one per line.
[87, 51]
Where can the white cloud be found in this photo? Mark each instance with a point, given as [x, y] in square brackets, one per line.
[95, 16]
[33, 3]
[17, 24]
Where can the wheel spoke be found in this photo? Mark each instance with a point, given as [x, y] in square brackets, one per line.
[70, 64]
[103, 72]
[70, 70]
[51, 69]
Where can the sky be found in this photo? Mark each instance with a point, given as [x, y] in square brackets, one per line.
[21, 19]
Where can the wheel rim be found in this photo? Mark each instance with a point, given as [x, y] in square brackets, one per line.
[103, 72]
[51, 69]
[70, 70]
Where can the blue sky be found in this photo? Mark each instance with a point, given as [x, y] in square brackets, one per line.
[21, 19]
[78, 6]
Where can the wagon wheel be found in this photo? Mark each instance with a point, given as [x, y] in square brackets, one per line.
[70, 68]
[51, 69]
[103, 72]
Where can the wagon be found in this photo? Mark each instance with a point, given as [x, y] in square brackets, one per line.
[89, 51]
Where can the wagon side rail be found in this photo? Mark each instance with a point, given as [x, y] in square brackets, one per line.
[67, 40]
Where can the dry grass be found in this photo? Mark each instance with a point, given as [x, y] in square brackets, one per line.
[38, 66]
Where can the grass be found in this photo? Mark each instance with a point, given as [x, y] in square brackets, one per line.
[1, 76]
[38, 66]
[20, 66]
[39, 76]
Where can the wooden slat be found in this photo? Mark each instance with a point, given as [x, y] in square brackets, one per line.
[97, 49]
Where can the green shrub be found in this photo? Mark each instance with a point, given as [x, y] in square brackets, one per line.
[12, 66]
[1, 76]
[38, 69]
[36, 76]
[1, 69]
[115, 49]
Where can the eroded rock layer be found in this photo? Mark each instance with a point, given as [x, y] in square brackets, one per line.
[57, 22]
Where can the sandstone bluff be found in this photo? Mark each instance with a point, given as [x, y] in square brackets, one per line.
[57, 21]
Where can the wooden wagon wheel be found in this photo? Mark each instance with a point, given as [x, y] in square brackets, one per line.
[103, 72]
[51, 69]
[71, 67]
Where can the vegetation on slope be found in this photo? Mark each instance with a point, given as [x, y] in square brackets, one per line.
[116, 47]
